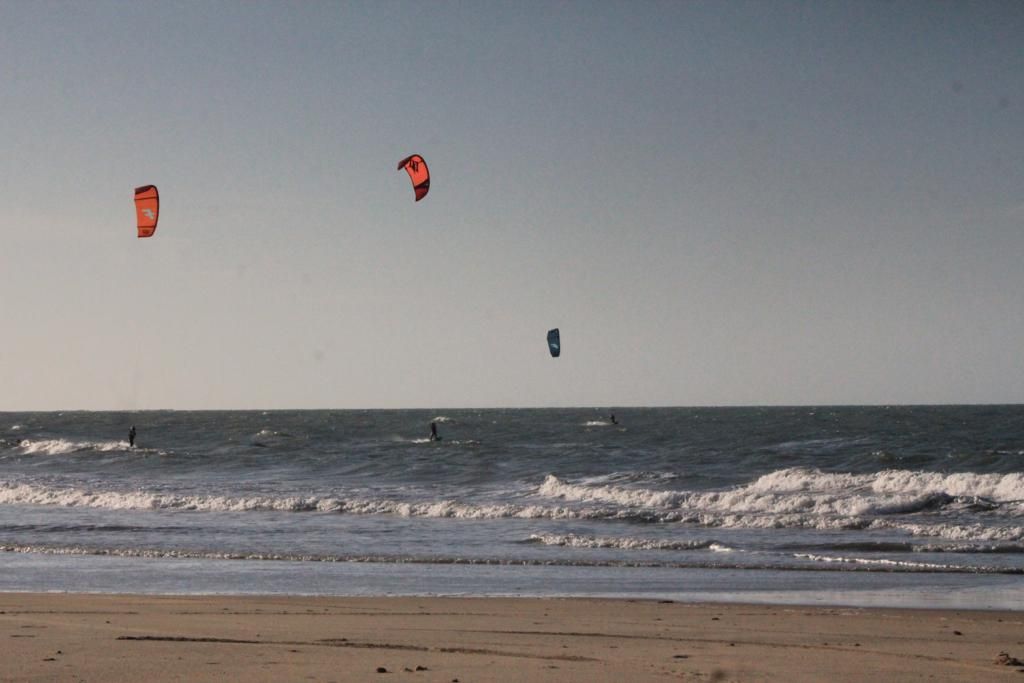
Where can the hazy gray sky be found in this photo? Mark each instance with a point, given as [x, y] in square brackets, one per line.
[718, 203]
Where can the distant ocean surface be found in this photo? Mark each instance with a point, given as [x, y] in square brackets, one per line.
[913, 506]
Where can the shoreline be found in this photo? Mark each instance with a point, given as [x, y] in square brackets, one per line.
[91, 636]
[112, 575]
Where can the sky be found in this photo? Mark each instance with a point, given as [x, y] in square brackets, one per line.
[717, 203]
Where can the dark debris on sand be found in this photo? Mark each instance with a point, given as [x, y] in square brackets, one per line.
[1004, 659]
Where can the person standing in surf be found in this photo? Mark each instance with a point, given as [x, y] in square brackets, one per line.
[131, 437]
[433, 432]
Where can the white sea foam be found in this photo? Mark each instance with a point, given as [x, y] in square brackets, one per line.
[879, 562]
[28, 494]
[736, 501]
[799, 490]
[809, 499]
[781, 500]
[998, 487]
[965, 532]
[175, 553]
[171, 553]
[626, 543]
[553, 487]
[48, 446]
[63, 446]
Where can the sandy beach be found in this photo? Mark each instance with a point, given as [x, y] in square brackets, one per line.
[76, 637]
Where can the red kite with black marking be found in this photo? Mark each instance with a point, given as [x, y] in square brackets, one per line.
[147, 209]
[416, 167]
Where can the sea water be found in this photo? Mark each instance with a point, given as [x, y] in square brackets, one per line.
[912, 506]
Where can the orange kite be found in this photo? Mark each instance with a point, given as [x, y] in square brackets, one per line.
[416, 167]
[147, 209]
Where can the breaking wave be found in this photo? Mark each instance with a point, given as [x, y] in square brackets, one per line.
[62, 446]
[800, 490]
[918, 504]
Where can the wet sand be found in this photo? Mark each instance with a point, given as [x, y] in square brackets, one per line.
[75, 637]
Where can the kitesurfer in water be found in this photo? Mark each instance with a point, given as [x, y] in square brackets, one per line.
[612, 418]
[131, 437]
[433, 432]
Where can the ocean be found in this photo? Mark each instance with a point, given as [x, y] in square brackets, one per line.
[895, 506]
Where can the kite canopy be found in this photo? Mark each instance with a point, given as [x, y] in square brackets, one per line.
[416, 167]
[147, 209]
[554, 343]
